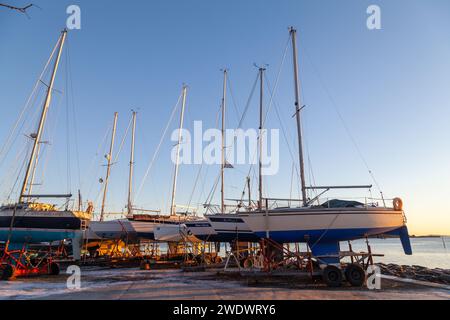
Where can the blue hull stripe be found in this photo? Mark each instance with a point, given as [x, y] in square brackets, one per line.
[31, 236]
[331, 235]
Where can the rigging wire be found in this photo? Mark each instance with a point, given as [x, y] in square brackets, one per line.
[8, 143]
[283, 129]
[49, 136]
[69, 157]
[230, 89]
[149, 168]
[16, 169]
[271, 98]
[201, 168]
[22, 168]
[94, 160]
[26, 144]
[75, 125]
[280, 69]
[241, 121]
[123, 141]
[346, 127]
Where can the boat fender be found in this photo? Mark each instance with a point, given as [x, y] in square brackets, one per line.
[398, 204]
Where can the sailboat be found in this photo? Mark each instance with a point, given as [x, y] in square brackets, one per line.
[29, 222]
[145, 224]
[323, 226]
[226, 228]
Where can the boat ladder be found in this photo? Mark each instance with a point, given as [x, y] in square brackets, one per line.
[84, 225]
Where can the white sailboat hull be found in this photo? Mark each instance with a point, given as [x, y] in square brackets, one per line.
[299, 225]
[174, 233]
[114, 229]
[231, 227]
[144, 229]
[203, 230]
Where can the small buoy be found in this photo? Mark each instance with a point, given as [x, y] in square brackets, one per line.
[398, 204]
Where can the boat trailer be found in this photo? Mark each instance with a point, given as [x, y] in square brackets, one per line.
[274, 258]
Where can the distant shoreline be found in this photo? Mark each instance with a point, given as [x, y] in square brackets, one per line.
[431, 236]
[412, 237]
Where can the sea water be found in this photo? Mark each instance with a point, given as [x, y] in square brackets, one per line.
[427, 252]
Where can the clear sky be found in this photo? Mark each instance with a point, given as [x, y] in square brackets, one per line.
[391, 86]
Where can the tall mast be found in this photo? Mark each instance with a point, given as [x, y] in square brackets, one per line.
[298, 110]
[37, 139]
[130, 182]
[224, 106]
[108, 167]
[261, 124]
[177, 164]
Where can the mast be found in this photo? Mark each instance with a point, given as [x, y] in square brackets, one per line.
[130, 182]
[225, 74]
[298, 109]
[261, 124]
[37, 139]
[80, 201]
[33, 174]
[249, 192]
[177, 164]
[108, 167]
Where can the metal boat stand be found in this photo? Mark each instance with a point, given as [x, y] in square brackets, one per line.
[24, 262]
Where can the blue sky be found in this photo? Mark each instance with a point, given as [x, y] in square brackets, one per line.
[391, 87]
